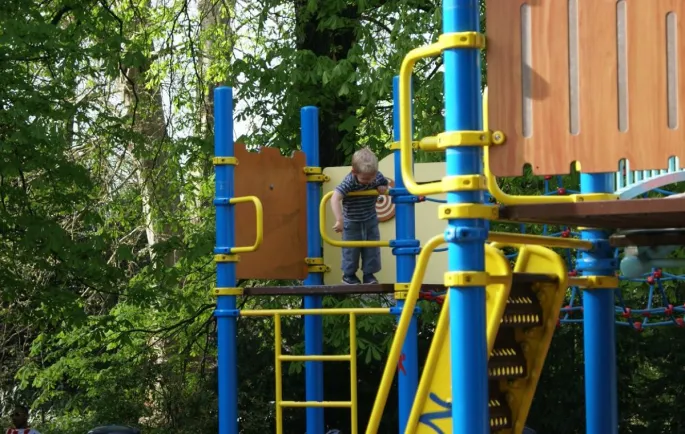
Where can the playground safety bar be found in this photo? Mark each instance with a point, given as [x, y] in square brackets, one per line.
[351, 357]
[506, 199]
[401, 333]
[322, 223]
[259, 211]
[515, 240]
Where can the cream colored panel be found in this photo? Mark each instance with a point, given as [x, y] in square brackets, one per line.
[427, 225]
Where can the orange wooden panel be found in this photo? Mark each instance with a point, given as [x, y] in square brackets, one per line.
[564, 87]
[280, 183]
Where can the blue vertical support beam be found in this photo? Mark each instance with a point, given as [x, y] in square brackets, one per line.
[405, 234]
[313, 324]
[226, 312]
[599, 330]
[466, 237]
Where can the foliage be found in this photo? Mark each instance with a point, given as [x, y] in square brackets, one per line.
[107, 223]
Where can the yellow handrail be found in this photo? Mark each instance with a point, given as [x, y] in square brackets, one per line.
[507, 199]
[322, 223]
[405, 120]
[259, 211]
[513, 240]
[401, 333]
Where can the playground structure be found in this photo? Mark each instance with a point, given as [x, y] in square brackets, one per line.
[545, 109]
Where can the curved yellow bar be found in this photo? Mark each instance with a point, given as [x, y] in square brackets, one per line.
[259, 212]
[506, 239]
[401, 333]
[405, 121]
[322, 224]
[506, 199]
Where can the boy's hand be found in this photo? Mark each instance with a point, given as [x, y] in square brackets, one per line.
[382, 189]
[338, 226]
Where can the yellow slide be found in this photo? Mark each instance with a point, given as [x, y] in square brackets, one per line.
[522, 310]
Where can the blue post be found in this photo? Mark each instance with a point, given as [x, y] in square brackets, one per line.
[313, 324]
[225, 313]
[601, 399]
[405, 234]
[466, 237]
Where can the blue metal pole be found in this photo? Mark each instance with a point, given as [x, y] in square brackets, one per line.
[466, 237]
[405, 234]
[313, 324]
[601, 398]
[225, 313]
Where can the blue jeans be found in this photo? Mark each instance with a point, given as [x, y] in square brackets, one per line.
[370, 256]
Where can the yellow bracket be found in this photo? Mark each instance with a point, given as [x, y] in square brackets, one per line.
[227, 291]
[312, 170]
[506, 199]
[226, 258]
[225, 161]
[594, 282]
[468, 211]
[322, 224]
[316, 265]
[428, 144]
[318, 178]
[259, 212]
[463, 183]
[401, 290]
[466, 278]
[462, 40]
[464, 138]
[315, 174]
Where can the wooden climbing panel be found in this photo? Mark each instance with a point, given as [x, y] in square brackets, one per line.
[588, 81]
[280, 183]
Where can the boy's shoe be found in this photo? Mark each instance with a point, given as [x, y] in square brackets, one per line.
[351, 280]
[370, 279]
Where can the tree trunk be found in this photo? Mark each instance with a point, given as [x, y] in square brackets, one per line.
[334, 44]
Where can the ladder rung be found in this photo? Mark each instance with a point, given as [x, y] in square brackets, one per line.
[336, 358]
[318, 404]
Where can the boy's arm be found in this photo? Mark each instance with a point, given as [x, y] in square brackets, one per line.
[380, 179]
[336, 205]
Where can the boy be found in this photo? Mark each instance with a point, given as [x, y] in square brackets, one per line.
[20, 420]
[356, 218]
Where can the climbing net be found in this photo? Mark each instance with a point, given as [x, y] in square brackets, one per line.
[648, 301]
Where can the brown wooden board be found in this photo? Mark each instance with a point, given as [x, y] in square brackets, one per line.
[280, 183]
[617, 214]
[649, 237]
[565, 87]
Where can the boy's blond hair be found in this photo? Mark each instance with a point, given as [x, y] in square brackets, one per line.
[365, 161]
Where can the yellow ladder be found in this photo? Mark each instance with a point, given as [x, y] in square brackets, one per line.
[351, 358]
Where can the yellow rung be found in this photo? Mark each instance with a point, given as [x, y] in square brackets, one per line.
[315, 404]
[296, 312]
[334, 358]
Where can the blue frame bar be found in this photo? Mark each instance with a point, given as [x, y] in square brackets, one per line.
[599, 330]
[463, 107]
[225, 312]
[313, 324]
[405, 230]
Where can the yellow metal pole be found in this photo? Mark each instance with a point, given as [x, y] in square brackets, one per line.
[353, 373]
[279, 376]
[502, 238]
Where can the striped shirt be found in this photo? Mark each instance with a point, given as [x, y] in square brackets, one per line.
[359, 208]
[21, 431]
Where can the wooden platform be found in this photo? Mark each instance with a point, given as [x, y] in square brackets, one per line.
[619, 214]
[383, 288]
